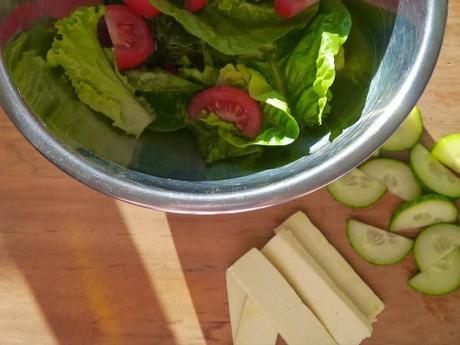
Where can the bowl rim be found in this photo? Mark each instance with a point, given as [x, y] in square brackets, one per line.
[123, 188]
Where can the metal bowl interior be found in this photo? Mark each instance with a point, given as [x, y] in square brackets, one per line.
[390, 56]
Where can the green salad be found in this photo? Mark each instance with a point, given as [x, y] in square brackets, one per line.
[241, 75]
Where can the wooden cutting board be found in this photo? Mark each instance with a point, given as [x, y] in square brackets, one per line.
[77, 267]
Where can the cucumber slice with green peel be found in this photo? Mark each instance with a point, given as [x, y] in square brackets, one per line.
[447, 151]
[377, 246]
[408, 134]
[435, 243]
[433, 174]
[356, 189]
[441, 278]
[426, 210]
[396, 175]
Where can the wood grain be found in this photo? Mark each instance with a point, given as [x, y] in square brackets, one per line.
[79, 268]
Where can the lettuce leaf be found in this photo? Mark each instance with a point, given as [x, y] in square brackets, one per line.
[235, 26]
[208, 76]
[159, 80]
[38, 38]
[168, 95]
[49, 95]
[302, 65]
[213, 147]
[171, 109]
[279, 128]
[310, 70]
[76, 49]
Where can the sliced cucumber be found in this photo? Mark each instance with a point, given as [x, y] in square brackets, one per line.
[356, 189]
[433, 174]
[447, 151]
[396, 175]
[377, 246]
[426, 210]
[441, 278]
[434, 243]
[408, 134]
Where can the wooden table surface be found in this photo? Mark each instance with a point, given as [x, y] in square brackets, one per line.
[79, 268]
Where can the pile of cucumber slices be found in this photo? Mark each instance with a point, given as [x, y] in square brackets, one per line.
[429, 185]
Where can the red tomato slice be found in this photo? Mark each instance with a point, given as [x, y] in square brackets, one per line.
[143, 8]
[195, 5]
[290, 8]
[131, 36]
[231, 105]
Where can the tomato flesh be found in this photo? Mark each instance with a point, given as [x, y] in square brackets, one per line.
[231, 105]
[143, 8]
[291, 8]
[130, 35]
[195, 5]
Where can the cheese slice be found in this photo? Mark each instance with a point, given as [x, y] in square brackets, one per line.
[236, 303]
[334, 264]
[255, 327]
[344, 321]
[270, 292]
[248, 322]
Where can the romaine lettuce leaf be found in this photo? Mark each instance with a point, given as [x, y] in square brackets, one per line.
[76, 49]
[38, 38]
[223, 140]
[279, 128]
[302, 66]
[49, 95]
[235, 26]
[159, 80]
[168, 95]
[208, 76]
[171, 109]
[310, 70]
[213, 147]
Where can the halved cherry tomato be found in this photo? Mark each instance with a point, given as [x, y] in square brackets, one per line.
[195, 5]
[103, 34]
[131, 36]
[143, 8]
[231, 105]
[290, 8]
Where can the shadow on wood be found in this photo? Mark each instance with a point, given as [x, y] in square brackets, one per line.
[80, 263]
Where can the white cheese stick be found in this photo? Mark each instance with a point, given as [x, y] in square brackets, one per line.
[247, 321]
[334, 264]
[270, 292]
[344, 321]
[236, 303]
[255, 327]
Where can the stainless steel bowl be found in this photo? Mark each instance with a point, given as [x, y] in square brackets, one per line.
[391, 55]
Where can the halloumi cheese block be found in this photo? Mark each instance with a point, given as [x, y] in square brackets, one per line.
[248, 322]
[270, 292]
[236, 303]
[334, 264]
[255, 327]
[344, 321]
